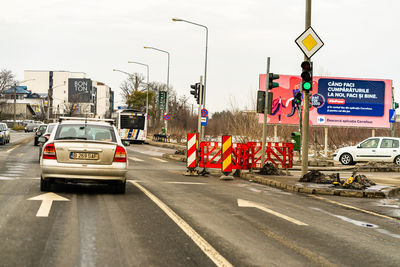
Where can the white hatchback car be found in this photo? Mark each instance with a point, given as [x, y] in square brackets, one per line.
[81, 150]
[378, 149]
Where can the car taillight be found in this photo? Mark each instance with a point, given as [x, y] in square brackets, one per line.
[120, 154]
[49, 152]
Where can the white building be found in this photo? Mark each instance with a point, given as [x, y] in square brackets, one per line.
[103, 107]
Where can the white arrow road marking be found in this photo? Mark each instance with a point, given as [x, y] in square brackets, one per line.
[250, 204]
[160, 160]
[47, 200]
[135, 159]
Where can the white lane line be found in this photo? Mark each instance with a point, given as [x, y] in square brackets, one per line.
[160, 160]
[8, 151]
[183, 183]
[250, 204]
[214, 255]
[135, 159]
[6, 178]
[15, 171]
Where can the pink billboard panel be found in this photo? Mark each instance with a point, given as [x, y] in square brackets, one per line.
[345, 102]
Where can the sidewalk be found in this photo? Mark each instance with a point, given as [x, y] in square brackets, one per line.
[291, 183]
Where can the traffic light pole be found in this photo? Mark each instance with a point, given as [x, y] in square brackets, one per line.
[199, 128]
[264, 137]
[306, 107]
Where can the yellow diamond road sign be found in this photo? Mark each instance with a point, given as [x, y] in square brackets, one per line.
[309, 42]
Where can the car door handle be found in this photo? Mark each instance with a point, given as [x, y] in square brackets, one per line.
[373, 150]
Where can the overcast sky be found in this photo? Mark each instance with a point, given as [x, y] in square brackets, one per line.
[95, 36]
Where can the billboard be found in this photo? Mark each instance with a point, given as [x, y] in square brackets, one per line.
[345, 102]
[80, 90]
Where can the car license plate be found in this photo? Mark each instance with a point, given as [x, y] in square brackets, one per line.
[84, 155]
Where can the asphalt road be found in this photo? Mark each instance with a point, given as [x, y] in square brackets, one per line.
[167, 219]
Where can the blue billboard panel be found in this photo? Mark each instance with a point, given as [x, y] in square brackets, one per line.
[352, 97]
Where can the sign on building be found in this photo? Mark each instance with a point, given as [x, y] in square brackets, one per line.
[80, 90]
[346, 102]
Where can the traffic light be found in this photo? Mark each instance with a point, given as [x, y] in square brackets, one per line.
[271, 83]
[306, 76]
[195, 91]
[261, 102]
[297, 98]
[395, 105]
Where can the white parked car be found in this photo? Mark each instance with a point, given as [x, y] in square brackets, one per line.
[378, 149]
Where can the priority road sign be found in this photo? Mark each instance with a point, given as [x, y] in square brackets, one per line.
[166, 117]
[204, 112]
[309, 42]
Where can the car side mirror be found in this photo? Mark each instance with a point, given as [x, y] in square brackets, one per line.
[126, 143]
[42, 139]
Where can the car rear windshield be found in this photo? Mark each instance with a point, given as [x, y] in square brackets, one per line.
[42, 128]
[85, 132]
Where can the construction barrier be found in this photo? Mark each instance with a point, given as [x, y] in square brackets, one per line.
[227, 156]
[192, 143]
[278, 153]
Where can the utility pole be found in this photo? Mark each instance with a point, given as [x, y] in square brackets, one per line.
[15, 105]
[264, 137]
[306, 106]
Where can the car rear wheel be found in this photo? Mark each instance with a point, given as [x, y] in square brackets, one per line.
[45, 185]
[397, 160]
[119, 187]
[346, 159]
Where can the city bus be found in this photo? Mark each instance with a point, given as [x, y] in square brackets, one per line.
[132, 125]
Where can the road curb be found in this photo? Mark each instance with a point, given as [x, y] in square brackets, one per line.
[386, 192]
[166, 145]
[175, 157]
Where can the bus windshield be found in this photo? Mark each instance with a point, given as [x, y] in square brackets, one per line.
[132, 122]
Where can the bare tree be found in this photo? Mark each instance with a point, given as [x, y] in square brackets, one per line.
[6, 79]
[133, 83]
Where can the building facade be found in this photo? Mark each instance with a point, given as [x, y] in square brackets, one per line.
[69, 93]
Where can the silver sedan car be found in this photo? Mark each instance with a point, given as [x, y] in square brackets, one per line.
[83, 150]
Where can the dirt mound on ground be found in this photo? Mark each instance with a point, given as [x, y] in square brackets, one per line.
[360, 182]
[318, 177]
[270, 169]
[180, 152]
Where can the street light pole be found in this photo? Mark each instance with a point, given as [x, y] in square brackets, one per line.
[166, 108]
[205, 65]
[147, 94]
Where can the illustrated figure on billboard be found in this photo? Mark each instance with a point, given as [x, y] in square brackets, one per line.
[277, 107]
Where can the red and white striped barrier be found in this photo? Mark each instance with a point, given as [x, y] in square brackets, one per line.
[192, 150]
